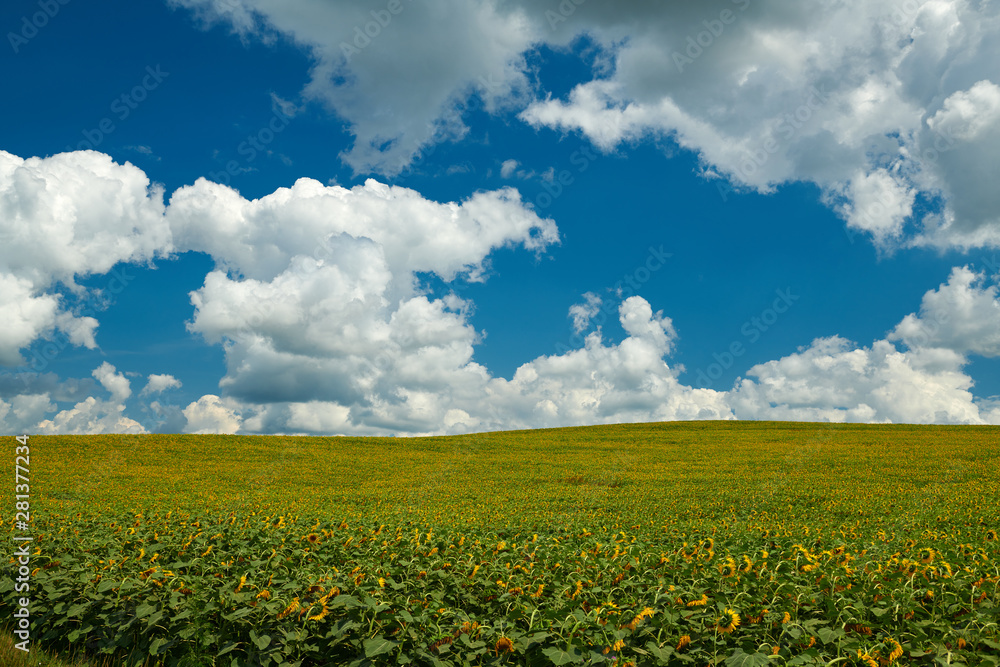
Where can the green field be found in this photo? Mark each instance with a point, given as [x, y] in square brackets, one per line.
[736, 543]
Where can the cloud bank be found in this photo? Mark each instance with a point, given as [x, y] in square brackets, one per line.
[891, 107]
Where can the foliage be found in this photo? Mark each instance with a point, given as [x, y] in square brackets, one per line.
[652, 544]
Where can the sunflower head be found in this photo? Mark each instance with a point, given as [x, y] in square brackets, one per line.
[504, 645]
[926, 556]
[728, 568]
[313, 538]
[683, 642]
[991, 536]
[728, 621]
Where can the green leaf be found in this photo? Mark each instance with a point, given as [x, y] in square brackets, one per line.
[741, 659]
[560, 656]
[662, 654]
[378, 646]
[263, 641]
[829, 635]
[157, 644]
[145, 609]
[227, 648]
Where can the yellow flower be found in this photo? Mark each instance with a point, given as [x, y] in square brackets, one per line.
[290, 609]
[504, 645]
[321, 615]
[683, 642]
[728, 622]
[727, 568]
[243, 582]
[381, 582]
[264, 594]
[618, 645]
[699, 603]
[786, 618]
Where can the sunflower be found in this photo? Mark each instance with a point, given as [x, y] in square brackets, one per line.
[243, 582]
[504, 645]
[313, 538]
[264, 594]
[991, 536]
[728, 622]
[618, 645]
[926, 556]
[321, 615]
[290, 609]
[683, 642]
[863, 658]
[728, 568]
[699, 603]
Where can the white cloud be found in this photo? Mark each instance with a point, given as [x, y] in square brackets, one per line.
[395, 71]
[210, 415]
[833, 380]
[962, 315]
[582, 313]
[508, 168]
[160, 383]
[93, 416]
[852, 96]
[64, 217]
[115, 383]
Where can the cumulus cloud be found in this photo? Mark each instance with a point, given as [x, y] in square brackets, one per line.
[65, 217]
[962, 315]
[317, 301]
[211, 414]
[160, 383]
[394, 72]
[835, 380]
[93, 415]
[582, 313]
[429, 388]
[878, 102]
[317, 298]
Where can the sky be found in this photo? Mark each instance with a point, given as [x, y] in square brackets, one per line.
[407, 217]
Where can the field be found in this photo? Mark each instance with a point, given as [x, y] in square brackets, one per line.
[705, 543]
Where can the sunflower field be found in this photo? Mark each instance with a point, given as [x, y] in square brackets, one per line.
[700, 543]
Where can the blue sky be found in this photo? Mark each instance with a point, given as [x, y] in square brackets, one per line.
[243, 216]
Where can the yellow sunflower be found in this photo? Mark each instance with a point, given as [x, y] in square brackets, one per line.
[728, 622]
[504, 645]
